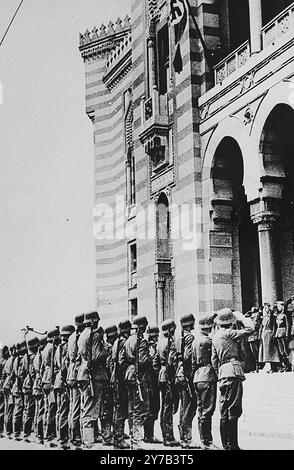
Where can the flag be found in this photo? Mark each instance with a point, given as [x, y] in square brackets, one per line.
[178, 19]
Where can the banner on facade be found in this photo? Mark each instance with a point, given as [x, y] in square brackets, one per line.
[179, 20]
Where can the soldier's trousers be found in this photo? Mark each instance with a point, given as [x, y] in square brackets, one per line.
[107, 414]
[18, 414]
[92, 408]
[8, 413]
[120, 412]
[166, 414]
[29, 413]
[2, 410]
[62, 415]
[138, 409]
[154, 402]
[230, 401]
[49, 415]
[206, 403]
[75, 414]
[187, 414]
[39, 417]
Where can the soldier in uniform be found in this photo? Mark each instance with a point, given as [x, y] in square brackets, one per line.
[120, 394]
[168, 359]
[7, 390]
[154, 394]
[138, 378]
[17, 391]
[74, 391]
[92, 375]
[48, 378]
[225, 360]
[253, 340]
[111, 334]
[61, 388]
[29, 377]
[4, 358]
[205, 380]
[38, 393]
[187, 393]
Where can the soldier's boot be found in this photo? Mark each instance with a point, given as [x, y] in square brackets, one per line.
[187, 443]
[88, 436]
[137, 438]
[233, 434]
[107, 436]
[224, 433]
[149, 432]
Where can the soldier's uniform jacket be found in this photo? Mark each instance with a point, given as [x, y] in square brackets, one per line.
[109, 361]
[225, 352]
[29, 373]
[99, 356]
[144, 359]
[118, 360]
[167, 359]
[2, 374]
[74, 358]
[202, 369]
[7, 375]
[155, 358]
[18, 373]
[185, 360]
[38, 372]
[61, 362]
[48, 365]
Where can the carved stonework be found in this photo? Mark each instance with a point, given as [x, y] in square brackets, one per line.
[161, 182]
[248, 116]
[247, 82]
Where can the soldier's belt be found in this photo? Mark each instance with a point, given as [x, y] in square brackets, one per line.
[232, 359]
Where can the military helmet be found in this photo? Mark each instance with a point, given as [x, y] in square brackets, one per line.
[91, 317]
[187, 320]
[5, 352]
[205, 322]
[79, 319]
[53, 334]
[111, 331]
[140, 320]
[67, 330]
[23, 347]
[43, 341]
[33, 343]
[225, 317]
[168, 325]
[124, 326]
[153, 331]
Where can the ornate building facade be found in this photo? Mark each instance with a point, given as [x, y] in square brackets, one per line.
[220, 141]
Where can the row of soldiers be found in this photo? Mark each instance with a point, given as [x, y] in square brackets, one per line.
[75, 381]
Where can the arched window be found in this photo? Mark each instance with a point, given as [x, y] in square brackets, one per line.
[163, 228]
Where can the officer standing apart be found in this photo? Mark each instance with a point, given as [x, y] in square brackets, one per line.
[226, 360]
[205, 380]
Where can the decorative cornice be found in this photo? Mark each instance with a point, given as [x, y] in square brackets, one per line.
[119, 71]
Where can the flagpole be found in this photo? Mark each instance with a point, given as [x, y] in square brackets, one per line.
[207, 54]
[8, 28]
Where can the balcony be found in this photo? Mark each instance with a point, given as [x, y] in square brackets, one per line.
[241, 71]
[281, 28]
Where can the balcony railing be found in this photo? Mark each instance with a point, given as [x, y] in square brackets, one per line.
[232, 62]
[279, 27]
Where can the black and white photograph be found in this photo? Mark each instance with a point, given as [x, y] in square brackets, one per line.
[146, 228]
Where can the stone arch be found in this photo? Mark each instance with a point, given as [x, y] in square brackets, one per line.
[233, 128]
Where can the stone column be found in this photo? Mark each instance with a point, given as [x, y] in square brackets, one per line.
[160, 298]
[255, 16]
[268, 255]
[151, 63]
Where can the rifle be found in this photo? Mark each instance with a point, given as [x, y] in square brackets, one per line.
[138, 381]
[186, 379]
[90, 360]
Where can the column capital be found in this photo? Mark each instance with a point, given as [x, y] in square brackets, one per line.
[160, 282]
[265, 220]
